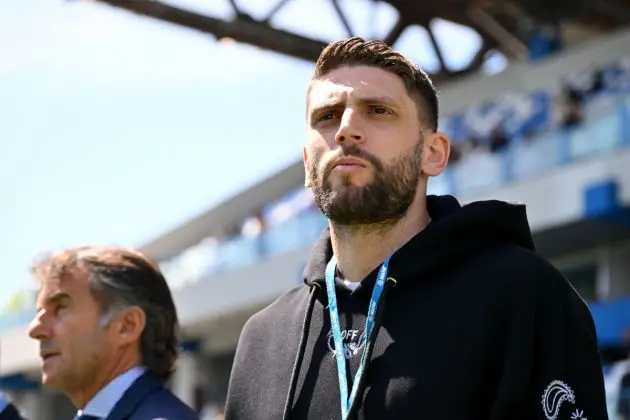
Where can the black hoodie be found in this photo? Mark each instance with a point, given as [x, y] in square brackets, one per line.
[478, 326]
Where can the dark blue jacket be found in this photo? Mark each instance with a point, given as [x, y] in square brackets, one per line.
[10, 413]
[148, 399]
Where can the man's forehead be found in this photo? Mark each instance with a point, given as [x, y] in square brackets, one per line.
[351, 83]
[69, 284]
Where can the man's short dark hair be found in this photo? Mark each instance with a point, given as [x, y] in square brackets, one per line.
[356, 51]
[120, 278]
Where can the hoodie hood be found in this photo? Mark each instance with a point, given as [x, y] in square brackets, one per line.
[455, 233]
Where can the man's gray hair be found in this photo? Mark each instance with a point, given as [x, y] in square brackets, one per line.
[119, 279]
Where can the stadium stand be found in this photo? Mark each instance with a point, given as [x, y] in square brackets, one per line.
[540, 130]
[553, 131]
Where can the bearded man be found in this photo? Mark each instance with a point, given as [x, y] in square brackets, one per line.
[412, 307]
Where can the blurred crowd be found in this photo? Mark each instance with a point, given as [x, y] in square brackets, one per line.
[490, 127]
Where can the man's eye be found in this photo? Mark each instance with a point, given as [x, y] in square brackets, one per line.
[380, 110]
[327, 116]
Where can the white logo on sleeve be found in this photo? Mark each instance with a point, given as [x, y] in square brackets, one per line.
[557, 393]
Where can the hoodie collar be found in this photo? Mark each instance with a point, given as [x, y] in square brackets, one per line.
[455, 233]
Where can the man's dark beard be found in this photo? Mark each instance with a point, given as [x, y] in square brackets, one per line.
[385, 200]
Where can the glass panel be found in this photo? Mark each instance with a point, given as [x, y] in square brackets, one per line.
[534, 155]
[440, 185]
[595, 137]
[477, 171]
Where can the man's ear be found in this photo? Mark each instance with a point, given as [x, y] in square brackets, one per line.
[437, 150]
[127, 326]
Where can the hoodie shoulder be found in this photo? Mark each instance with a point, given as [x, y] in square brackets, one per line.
[265, 354]
[286, 309]
[270, 327]
[552, 286]
[533, 263]
[527, 273]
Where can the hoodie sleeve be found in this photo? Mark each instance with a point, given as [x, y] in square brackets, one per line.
[567, 375]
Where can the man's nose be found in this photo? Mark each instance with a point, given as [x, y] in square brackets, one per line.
[37, 329]
[350, 128]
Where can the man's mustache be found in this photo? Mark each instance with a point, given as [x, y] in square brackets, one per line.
[45, 346]
[352, 151]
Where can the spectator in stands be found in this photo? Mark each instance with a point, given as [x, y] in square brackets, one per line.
[543, 41]
[108, 333]
[598, 83]
[498, 140]
[474, 145]
[573, 113]
[253, 225]
[415, 306]
[455, 155]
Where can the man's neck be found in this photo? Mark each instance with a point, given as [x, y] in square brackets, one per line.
[99, 380]
[360, 249]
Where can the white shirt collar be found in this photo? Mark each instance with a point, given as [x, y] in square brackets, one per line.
[102, 404]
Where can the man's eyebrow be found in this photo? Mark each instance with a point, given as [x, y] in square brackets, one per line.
[54, 298]
[330, 104]
[334, 103]
[385, 99]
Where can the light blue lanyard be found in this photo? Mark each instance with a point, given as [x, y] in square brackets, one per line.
[336, 331]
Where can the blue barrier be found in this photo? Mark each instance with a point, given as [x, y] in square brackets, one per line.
[612, 321]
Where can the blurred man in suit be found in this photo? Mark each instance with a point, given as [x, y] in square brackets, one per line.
[8, 410]
[108, 334]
